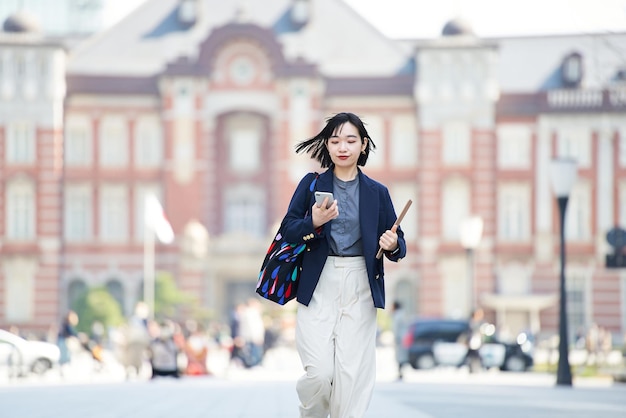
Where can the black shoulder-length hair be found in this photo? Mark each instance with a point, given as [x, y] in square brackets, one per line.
[316, 146]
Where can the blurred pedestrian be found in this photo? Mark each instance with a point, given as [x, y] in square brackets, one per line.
[475, 340]
[253, 333]
[342, 281]
[196, 349]
[135, 338]
[237, 356]
[164, 352]
[67, 332]
[400, 324]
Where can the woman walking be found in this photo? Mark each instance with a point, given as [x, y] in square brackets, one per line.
[342, 281]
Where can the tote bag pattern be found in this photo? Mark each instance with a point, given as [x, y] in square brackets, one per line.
[278, 279]
[282, 266]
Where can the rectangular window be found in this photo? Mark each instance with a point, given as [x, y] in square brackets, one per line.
[576, 286]
[20, 214]
[78, 142]
[456, 207]
[245, 149]
[404, 142]
[21, 143]
[576, 144]
[300, 111]
[578, 213]
[514, 146]
[457, 294]
[514, 212]
[114, 214]
[375, 126]
[148, 143]
[113, 143]
[457, 138]
[78, 212]
[244, 211]
[20, 289]
[401, 193]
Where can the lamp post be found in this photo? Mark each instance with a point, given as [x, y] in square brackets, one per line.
[471, 233]
[562, 178]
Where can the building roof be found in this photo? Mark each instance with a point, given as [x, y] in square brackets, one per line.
[338, 40]
[335, 42]
[534, 63]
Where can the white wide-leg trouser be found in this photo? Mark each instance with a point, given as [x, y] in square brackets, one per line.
[336, 341]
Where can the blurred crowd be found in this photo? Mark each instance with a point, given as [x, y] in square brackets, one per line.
[144, 347]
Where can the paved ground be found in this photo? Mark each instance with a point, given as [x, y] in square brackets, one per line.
[262, 394]
[269, 392]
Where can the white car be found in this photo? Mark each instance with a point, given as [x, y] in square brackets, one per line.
[25, 356]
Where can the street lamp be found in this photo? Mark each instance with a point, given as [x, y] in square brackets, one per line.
[471, 233]
[563, 177]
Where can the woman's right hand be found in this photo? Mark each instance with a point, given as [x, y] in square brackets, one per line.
[321, 214]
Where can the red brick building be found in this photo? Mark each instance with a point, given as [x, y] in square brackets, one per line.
[201, 103]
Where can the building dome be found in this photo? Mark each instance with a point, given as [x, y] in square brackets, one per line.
[457, 27]
[21, 22]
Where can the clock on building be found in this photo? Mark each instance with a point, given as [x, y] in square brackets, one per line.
[242, 70]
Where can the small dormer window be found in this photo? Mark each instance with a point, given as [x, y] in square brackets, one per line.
[188, 11]
[300, 11]
[572, 70]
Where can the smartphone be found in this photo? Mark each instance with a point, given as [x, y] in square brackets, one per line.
[320, 196]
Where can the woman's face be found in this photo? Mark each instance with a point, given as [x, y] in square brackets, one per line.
[345, 146]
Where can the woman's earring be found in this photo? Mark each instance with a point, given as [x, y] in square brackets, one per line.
[363, 152]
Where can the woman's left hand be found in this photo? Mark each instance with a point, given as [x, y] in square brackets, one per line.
[389, 240]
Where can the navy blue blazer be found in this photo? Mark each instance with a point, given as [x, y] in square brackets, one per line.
[376, 215]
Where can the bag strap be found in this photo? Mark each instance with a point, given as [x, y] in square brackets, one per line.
[311, 189]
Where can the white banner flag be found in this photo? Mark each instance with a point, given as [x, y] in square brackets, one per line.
[156, 220]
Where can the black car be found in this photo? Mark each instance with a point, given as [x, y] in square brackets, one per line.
[445, 342]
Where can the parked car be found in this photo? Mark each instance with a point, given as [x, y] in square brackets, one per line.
[23, 356]
[444, 342]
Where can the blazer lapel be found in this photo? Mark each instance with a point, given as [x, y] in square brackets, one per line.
[325, 182]
[369, 206]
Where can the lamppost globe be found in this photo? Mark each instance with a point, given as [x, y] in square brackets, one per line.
[471, 232]
[562, 179]
[563, 176]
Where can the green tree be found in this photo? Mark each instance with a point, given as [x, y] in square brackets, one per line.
[169, 299]
[97, 304]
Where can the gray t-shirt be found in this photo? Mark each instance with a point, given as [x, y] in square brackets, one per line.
[345, 230]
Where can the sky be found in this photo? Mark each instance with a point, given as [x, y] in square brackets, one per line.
[493, 18]
[489, 18]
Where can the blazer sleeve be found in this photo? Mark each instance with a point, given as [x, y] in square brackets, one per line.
[391, 219]
[297, 225]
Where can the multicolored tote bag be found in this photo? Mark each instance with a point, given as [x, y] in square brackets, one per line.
[282, 266]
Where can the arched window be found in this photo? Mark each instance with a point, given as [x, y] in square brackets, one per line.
[20, 212]
[115, 288]
[75, 290]
[572, 70]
